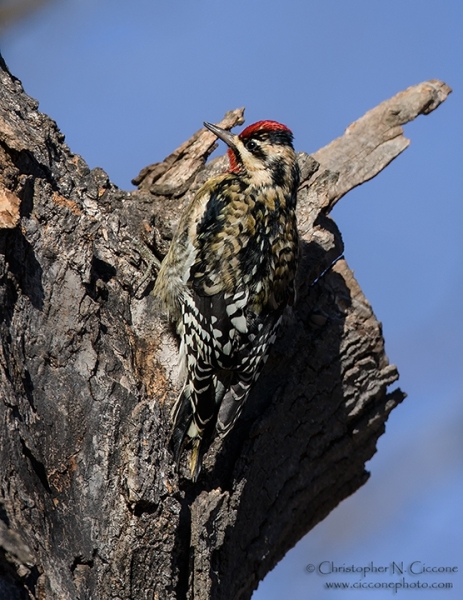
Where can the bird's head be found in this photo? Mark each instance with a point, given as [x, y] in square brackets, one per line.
[263, 151]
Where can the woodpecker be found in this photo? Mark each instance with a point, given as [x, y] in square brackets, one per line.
[227, 278]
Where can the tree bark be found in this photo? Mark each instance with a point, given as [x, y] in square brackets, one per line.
[91, 504]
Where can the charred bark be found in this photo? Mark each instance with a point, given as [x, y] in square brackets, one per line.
[91, 506]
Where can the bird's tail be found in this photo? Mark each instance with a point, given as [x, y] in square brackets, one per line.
[184, 432]
[194, 418]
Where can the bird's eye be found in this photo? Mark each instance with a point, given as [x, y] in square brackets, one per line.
[251, 145]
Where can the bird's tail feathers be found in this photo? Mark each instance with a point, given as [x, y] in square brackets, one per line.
[200, 430]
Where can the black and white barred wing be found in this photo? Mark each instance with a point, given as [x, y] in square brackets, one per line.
[225, 350]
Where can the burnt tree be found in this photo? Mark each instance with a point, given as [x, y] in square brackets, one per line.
[91, 506]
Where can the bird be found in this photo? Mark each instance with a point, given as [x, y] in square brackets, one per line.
[226, 280]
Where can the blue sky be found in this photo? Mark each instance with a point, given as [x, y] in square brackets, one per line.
[127, 82]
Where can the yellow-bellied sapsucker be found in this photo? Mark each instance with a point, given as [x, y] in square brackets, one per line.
[227, 279]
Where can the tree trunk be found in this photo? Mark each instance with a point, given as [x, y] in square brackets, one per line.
[91, 504]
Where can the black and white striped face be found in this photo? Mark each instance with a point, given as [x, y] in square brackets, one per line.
[263, 151]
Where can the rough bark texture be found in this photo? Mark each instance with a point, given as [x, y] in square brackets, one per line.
[91, 506]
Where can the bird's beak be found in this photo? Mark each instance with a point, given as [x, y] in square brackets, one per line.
[223, 134]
